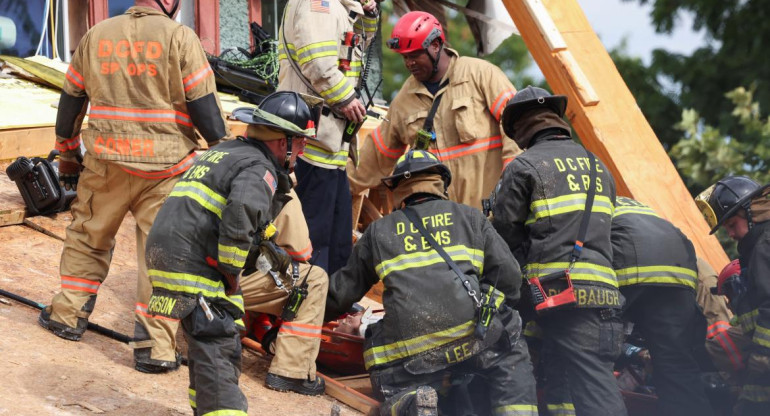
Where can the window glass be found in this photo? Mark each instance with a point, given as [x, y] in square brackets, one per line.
[21, 23]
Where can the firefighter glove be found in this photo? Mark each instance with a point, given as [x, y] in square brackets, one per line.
[759, 364]
[278, 257]
[69, 172]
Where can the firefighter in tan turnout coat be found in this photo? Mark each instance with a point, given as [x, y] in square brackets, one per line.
[149, 86]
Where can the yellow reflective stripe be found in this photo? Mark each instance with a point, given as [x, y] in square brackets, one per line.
[657, 274]
[321, 155]
[762, 336]
[543, 208]
[201, 194]
[370, 25]
[191, 397]
[755, 393]
[581, 271]
[338, 92]
[748, 320]
[515, 410]
[561, 409]
[193, 284]
[427, 258]
[316, 50]
[402, 349]
[232, 255]
[621, 209]
[226, 412]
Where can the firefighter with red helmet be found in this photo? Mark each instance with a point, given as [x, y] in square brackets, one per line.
[213, 220]
[742, 207]
[148, 85]
[450, 285]
[547, 198]
[450, 105]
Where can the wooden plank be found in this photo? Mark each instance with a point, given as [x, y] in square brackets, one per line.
[12, 208]
[360, 383]
[38, 141]
[615, 128]
[350, 396]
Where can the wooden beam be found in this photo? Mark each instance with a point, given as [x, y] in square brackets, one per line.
[36, 141]
[613, 127]
[350, 396]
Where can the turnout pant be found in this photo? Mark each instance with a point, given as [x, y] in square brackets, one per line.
[578, 355]
[506, 377]
[327, 205]
[214, 363]
[106, 193]
[674, 327]
[298, 341]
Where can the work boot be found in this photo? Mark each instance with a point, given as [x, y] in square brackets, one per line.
[426, 401]
[297, 385]
[149, 366]
[61, 330]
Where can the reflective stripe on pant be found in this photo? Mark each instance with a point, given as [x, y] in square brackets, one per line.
[327, 205]
[214, 363]
[298, 341]
[106, 194]
[674, 328]
[505, 379]
[583, 347]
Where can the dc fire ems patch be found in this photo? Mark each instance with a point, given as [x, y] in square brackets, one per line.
[270, 181]
[319, 6]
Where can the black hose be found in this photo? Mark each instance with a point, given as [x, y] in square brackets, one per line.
[91, 326]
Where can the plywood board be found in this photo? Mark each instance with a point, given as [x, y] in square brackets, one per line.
[26, 104]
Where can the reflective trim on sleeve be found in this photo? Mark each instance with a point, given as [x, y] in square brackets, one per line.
[622, 209]
[544, 208]
[316, 50]
[369, 24]
[75, 77]
[338, 92]
[232, 255]
[386, 151]
[401, 349]
[658, 274]
[561, 409]
[755, 393]
[480, 145]
[79, 284]
[68, 144]
[731, 350]
[201, 194]
[762, 336]
[515, 410]
[321, 155]
[419, 259]
[196, 77]
[748, 321]
[194, 285]
[716, 328]
[137, 114]
[500, 102]
[582, 271]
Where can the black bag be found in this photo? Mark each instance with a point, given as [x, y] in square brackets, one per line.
[38, 182]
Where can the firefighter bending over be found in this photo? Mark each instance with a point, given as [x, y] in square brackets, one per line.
[213, 218]
[450, 285]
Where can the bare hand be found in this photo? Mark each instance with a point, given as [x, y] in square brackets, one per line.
[369, 6]
[354, 111]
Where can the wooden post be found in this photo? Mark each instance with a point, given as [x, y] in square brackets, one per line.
[606, 116]
[207, 24]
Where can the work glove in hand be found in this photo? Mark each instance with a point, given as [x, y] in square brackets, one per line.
[69, 172]
[758, 364]
[278, 257]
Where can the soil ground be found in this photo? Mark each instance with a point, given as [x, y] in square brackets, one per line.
[47, 375]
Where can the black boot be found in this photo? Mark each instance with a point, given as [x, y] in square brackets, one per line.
[306, 387]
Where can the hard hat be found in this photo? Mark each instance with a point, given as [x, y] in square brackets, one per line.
[415, 31]
[723, 199]
[531, 98]
[282, 110]
[730, 271]
[414, 162]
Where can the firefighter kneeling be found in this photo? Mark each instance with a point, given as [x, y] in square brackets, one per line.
[448, 306]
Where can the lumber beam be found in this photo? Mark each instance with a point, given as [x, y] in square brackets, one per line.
[606, 115]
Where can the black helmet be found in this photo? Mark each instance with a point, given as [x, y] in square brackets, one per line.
[722, 200]
[531, 98]
[417, 161]
[282, 110]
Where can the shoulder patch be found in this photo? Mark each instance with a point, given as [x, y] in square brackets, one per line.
[270, 181]
[319, 6]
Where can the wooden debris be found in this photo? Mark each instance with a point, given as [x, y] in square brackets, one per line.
[350, 396]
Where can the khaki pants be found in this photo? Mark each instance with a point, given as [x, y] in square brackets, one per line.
[299, 340]
[105, 194]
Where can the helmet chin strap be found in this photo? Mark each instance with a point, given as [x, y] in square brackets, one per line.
[287, 159]
[168, 13]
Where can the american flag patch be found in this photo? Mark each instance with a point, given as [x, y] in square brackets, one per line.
[319, 6]
[270, 181]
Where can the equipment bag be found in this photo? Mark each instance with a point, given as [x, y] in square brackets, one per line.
[38, 182]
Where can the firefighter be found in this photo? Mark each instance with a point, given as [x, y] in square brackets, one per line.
[656, 268]
[431, 325]
[298, 341]
[149, 87]
[469, 95]
[742, 207]
[538, 211]
[217, 214]
[321, 45]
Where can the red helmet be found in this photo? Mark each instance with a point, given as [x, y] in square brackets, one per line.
[415, 31]
[728, 273]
